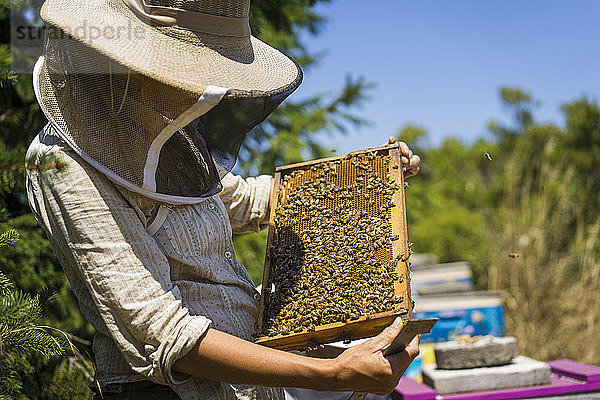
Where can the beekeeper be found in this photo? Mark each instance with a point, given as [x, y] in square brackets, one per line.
[148, 103]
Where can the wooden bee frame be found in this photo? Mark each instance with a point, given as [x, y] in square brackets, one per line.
[387, 162]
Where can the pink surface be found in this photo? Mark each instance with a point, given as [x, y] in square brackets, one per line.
[559, 385]
[412, 390]
[577, 370]
[564, 374]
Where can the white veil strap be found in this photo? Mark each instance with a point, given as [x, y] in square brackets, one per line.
[209, 99]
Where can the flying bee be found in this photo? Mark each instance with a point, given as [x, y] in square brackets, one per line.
[487, 155]
[513, 255]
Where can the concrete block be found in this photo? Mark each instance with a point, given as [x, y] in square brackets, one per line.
[486, 352]
[522, 371]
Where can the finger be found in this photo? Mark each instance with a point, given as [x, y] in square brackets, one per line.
[399, 362]
[413, 347]
[413, 166]
[415, 160]
[411, 350]
[406, 151]
[412, 161]
[388, 335]
[411, 172]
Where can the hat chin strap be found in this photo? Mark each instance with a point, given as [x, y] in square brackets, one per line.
[195, 21]
[210, 98]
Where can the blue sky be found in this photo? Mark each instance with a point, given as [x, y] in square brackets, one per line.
[440, 64]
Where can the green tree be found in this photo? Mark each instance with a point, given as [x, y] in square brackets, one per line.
[536, 197]
[444, 201]
[21, 334]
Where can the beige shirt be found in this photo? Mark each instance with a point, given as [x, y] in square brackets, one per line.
[151, 278]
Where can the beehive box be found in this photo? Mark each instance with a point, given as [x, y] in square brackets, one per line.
[336, 266]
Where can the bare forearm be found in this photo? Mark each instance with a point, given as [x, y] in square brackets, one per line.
[222, 357]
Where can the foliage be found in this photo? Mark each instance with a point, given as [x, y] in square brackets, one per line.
[251, 248]
[551, 290]
[69, 380]
[288, 135]
[21, 334]
[537, 197]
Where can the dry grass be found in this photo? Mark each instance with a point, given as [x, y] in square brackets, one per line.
[552, 290]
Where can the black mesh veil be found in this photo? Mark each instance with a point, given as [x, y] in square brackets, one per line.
[218, 135]
[161, 141]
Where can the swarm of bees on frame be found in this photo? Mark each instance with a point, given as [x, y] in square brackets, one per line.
[331, 250]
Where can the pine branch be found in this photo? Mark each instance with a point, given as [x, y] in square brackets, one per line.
[35, 339]
[6, 286]
[19, 308]
[7, 77]
[20, 334]
[8, 238]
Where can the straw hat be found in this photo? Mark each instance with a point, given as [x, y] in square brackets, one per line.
[158, 95]
[188, 44]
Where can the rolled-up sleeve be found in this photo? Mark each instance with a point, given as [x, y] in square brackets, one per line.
[247, 201]
[102, 243]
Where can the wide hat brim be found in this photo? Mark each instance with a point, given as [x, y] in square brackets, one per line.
[188, 60]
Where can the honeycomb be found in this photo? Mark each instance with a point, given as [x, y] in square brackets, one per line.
[334, 254]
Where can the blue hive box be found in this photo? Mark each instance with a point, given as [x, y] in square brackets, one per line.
[472, 313]
[441, 279]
